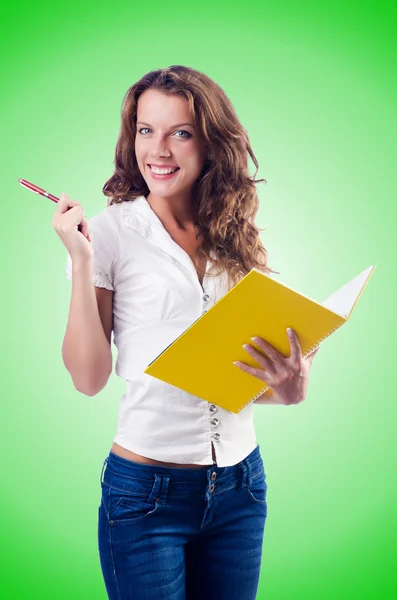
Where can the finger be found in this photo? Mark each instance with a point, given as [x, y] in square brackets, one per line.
[259, 373]
[270, 350]
[265, 362]
[296, 352]
[69, 220]
[64, 203]
[74, 216]
[84, 228]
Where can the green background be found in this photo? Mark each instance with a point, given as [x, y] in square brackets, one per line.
[315, 86]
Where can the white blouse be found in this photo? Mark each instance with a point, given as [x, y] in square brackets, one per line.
[157, 295]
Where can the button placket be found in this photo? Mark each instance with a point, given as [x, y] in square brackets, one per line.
[215, 422]
[206, 298]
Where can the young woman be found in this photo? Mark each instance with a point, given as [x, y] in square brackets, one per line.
[183, 504]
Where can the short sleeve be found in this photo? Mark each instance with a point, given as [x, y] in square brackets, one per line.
[105, 242]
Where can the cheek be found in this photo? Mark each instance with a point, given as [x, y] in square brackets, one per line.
[139, 158]
[137, 150]
[192, 159]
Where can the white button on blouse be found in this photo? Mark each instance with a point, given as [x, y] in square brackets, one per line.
[157, 295]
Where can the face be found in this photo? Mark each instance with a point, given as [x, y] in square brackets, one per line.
[166, 137]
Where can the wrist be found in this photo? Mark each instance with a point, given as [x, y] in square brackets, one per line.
[81, 264]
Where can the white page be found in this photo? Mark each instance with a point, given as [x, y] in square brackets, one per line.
[342, 302]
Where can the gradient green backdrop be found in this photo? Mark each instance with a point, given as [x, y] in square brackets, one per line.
[316, 89]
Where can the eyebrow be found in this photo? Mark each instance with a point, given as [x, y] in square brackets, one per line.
[172, 127]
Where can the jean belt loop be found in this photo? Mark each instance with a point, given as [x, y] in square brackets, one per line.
[156, 489]
[160, 488]
[249, 474]
[105, 462]
[164, 488]
[242, 484]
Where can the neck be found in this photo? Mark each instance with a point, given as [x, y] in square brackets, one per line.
[178, 211]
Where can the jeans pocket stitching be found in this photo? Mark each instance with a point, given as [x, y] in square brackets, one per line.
[130, 501]
[254, 499]
[140, 516]
[251, 491]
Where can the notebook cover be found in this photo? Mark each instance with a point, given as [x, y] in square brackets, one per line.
[200, 360]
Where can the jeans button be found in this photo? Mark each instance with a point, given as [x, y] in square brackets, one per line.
[213, 476]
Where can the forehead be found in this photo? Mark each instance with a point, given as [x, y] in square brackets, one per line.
[159, 106]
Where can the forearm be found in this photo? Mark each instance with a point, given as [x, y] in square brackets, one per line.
[86, 351]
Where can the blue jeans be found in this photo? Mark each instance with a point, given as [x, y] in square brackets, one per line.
[169, 533]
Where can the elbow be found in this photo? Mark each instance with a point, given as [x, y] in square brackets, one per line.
[87, 391]
[92, 388]
[89, 381]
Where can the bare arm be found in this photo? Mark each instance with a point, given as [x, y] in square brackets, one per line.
[86, 348]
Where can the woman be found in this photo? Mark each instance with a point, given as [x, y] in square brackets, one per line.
[183, 504]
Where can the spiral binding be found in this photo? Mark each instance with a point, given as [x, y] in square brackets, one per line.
[311, 349]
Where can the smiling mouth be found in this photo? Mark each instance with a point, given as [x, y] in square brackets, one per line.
[169, 170]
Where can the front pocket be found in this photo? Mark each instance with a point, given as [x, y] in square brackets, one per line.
[128, 507]
[258, 488]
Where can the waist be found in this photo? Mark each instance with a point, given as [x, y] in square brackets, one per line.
[119, 472]
[138, 458]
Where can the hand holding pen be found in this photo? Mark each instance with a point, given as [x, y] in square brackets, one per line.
[69, 222]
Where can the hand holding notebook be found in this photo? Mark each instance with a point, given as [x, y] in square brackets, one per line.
[287, 376]
[257, 305]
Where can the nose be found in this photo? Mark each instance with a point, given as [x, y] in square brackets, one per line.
[160, 153]
[159, 148]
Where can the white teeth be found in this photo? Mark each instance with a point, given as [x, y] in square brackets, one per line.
[161, 171]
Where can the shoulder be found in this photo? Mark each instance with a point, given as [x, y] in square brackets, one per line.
[122, 213]
[106, 226]
[105, 230]
[109, 217]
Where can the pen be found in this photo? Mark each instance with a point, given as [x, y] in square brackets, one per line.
[37, 190]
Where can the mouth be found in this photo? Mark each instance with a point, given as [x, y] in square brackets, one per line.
[163, 173]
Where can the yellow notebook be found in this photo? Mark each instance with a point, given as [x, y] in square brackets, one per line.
[200, 360]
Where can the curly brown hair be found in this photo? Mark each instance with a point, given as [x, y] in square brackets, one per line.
[227, 201]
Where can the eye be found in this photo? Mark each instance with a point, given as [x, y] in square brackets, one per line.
[189, 135]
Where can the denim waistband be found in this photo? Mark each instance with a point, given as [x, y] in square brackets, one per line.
[123, 473]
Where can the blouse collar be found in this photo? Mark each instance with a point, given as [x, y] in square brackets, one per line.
[139, 215]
